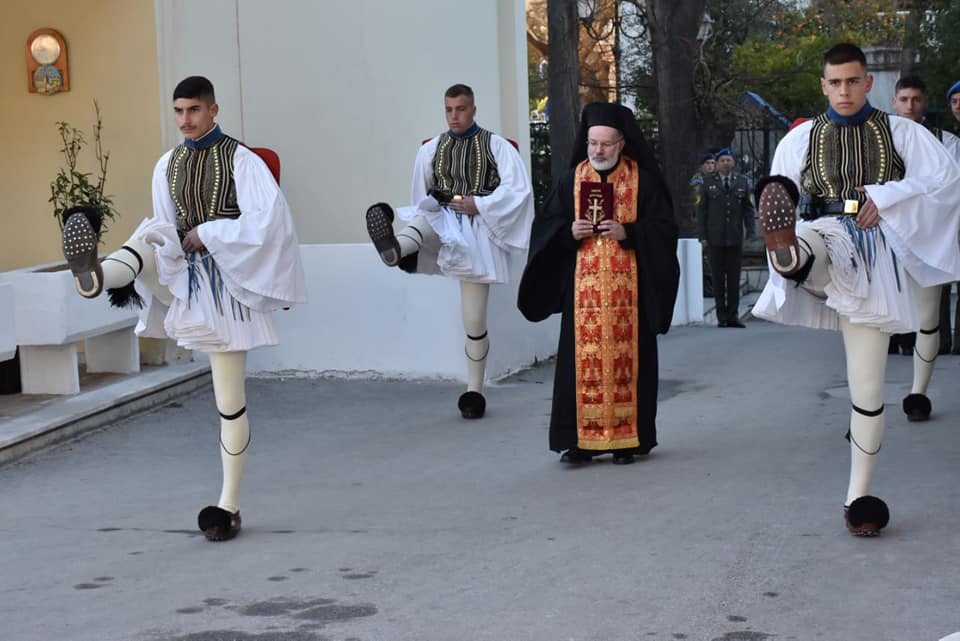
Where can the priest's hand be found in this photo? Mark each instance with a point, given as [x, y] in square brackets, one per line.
[612, 229]
[581, 229]
[191, 242]
[464, 205]
[869, 215]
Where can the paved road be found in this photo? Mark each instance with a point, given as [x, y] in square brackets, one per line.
[373, 512]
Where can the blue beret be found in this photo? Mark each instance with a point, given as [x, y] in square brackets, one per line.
[726, 151]
[705, 157]
[952, 90]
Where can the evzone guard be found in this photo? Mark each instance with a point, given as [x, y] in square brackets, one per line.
[472, 209]
[877, 198]
[219, 255]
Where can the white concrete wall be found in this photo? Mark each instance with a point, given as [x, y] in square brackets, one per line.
[364, 318]
[345, 91]
[689, 306]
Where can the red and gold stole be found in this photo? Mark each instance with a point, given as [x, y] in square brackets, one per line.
[605, 322]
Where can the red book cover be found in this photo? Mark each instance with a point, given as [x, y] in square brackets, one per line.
[596, 202]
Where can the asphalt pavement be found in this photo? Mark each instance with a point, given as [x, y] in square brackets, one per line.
[373, 512]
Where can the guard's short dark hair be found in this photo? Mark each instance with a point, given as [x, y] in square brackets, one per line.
[910, 82]
[843, 53]
[459, 90]
[195, 88]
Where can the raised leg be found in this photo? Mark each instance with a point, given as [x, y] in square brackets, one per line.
[135, 260]
[391, 246]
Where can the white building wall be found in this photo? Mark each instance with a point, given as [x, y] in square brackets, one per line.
[345, 92]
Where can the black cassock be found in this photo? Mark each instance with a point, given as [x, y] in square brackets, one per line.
[547, 287]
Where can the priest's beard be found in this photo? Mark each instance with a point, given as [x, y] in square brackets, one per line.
[604, 164]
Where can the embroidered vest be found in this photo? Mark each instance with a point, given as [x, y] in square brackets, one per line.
[843, 157]
[201, 183]
[465, 166]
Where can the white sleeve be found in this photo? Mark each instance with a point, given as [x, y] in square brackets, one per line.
[258, 253]
[423, 171]
[163, 207]
[931, 179]
[508, 211]
[791, 153]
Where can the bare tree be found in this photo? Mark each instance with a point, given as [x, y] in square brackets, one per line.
[564, 79]
[673, 36]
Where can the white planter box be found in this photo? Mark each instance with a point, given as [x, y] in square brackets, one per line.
[8, 338]
[50, 318]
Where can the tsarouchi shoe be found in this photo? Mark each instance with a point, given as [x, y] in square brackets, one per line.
[866, 516]
[79, 242]
[380, 229]
[917, 407]
[472, 405]
[218, 524]
[777, 214]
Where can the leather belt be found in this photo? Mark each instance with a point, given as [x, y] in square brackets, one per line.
[811, 208]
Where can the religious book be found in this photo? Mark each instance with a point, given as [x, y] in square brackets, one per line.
[596, 203]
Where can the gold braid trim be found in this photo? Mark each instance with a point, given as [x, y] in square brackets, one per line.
[606, 322]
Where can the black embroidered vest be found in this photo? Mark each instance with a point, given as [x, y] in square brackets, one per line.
[843, 157]
[465, 166]
[201, 183]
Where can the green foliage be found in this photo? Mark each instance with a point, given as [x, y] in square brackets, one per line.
[72, 187]
[786, 72]
[939, 53]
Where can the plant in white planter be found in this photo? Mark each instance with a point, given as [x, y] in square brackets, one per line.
[74, 190]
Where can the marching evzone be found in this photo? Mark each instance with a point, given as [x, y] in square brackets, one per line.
[910, 100]
[473, 205]
[878, 199]
[219, 255]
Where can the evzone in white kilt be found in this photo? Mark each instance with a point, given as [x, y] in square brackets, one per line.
[223, 297]
[874, 272]
[833, 274]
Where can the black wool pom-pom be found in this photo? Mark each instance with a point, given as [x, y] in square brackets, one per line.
[125, 297]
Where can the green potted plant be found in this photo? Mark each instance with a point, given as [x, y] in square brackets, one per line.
[76, 191]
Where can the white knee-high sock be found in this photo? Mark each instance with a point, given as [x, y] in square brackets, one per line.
[228, 371]
[866, 434]
[136, 259]
[928, 338]
[866, 351]
[473, 305]
[413, 236]
[812, 244]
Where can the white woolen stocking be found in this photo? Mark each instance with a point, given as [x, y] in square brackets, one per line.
[928, 338]
[811, 243]
[414, 235]
[122, 266]
[473, 306]
[228, 370]
[866, 350]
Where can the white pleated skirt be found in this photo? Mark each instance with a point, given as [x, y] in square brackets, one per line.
[466, 251]
[868, 285]
[203, 315]
[210, 319]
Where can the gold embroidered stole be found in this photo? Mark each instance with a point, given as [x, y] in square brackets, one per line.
[605, 322]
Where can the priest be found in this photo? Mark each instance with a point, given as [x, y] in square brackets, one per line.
[603, 255]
